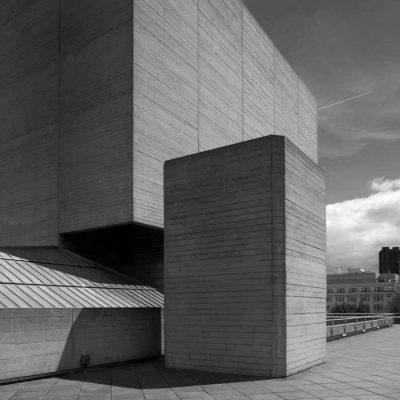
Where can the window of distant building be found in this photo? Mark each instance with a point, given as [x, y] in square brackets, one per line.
[330, 290]
[340, 290]
[378, 307]
[351, 298]
[378, 298]
[378, 289]
[353, 290]
[365, 298]
[365, 290]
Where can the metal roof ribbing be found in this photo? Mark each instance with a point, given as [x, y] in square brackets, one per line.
[50, 277]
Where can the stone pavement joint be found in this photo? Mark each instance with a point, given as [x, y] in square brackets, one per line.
[363, 367]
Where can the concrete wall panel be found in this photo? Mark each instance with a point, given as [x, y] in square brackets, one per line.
[28, 123]
[220, 73]
[126, 86]
[305, 261]
[308, 141]
[213, 227]
[244, 274]
[286, 100]
[165, 97]
[258, 80]
[206, 76]
[96, 122]
[42, 341]
[29, 32]
[33, 224]
[85, 21]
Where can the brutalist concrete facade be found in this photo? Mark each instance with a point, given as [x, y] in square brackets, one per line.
[96, 95]
[245, 279]
[43, 341]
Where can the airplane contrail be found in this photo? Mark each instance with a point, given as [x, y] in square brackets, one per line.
[343, 101]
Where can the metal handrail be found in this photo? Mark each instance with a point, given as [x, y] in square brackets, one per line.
[354, 318]
[356, 314]
[361, 321]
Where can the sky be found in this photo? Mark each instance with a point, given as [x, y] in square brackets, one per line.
[341, 49]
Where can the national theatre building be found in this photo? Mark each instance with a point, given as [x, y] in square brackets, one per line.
[156, 152]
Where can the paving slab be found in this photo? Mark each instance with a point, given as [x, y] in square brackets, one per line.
[363, 367]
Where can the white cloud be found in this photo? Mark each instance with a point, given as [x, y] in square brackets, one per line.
[384, 185]
[358, 228]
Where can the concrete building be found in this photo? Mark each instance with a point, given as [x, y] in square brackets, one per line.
[59, 311]
[245, 275]
[95, 96]
[389, 260]
[361, 290]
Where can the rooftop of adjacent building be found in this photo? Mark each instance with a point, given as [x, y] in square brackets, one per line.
[367, 277]
[360, 276]
[362, 367]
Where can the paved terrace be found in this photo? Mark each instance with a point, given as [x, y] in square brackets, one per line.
[363, 367]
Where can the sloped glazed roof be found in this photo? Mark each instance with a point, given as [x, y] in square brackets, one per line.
[50, 277]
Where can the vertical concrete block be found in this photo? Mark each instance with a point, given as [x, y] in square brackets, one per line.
[206, 75]
[95, 114]
[244, 260]
[220, 71]
[258, 80]
[28, 122]
[165, 96]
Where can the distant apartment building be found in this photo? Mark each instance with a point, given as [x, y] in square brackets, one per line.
[389, 260]
[361, 290]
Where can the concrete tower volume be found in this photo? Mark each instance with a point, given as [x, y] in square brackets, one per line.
[95, 96]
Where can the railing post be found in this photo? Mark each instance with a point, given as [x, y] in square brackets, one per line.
[357, 323]
[344, 328]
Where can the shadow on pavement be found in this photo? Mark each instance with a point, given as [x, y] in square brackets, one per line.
[153, 375]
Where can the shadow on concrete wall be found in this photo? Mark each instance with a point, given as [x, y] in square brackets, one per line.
[135, 250]
[112, 335]
[49, 338]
